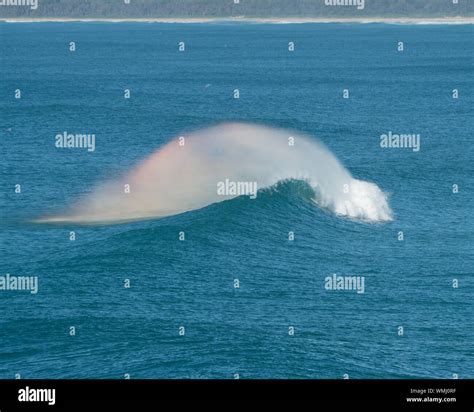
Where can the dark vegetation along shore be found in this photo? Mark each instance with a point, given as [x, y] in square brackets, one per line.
[229, 8]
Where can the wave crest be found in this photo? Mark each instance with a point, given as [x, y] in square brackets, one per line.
[179, 178]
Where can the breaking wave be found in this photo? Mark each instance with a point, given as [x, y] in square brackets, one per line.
[178, 178]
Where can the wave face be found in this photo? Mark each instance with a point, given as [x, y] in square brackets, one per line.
[179, 178]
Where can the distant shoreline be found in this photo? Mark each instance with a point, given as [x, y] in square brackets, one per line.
[276, 20]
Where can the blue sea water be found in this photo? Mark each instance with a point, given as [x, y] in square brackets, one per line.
[190, 283]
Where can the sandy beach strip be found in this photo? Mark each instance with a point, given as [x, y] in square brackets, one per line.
[276, 20]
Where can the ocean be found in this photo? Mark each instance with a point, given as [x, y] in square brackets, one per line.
[237, 288]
